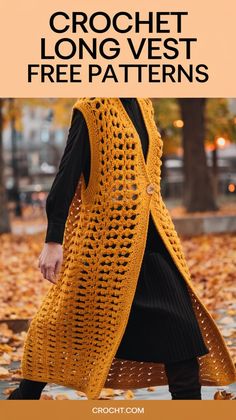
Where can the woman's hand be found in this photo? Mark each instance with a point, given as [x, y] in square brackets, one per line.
[50, 260]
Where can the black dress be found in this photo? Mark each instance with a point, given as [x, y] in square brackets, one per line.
[162, 326]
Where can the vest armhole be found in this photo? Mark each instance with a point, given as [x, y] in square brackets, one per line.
[93, 135]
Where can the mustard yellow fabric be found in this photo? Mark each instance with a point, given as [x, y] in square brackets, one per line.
[73, 338]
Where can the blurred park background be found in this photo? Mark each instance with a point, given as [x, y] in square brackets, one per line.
[198, 186]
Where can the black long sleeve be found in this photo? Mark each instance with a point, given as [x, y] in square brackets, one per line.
[75, 160]
[75, 156]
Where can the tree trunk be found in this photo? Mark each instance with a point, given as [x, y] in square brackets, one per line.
[4, 218]
[15, 169]
[198, 188]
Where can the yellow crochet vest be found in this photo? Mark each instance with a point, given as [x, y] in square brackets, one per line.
[74, 336]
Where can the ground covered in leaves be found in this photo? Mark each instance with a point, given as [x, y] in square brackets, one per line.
[212, 263]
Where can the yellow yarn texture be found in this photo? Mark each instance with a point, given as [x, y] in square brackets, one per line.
[74, 336]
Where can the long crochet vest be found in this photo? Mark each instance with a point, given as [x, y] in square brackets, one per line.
[74, 336]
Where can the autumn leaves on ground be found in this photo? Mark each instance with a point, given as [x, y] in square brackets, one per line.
[211, 259]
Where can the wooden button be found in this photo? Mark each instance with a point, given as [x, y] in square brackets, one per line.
[150, 188]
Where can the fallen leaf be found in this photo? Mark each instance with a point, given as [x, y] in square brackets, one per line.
[129, 394]
[46, 397]
[151, 388]
[8, 391]
[61, 397]
[224, 395]
[4, 373]
[227, 320]
[80, 393]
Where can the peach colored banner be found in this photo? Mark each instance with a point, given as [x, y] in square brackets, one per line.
[125, 48]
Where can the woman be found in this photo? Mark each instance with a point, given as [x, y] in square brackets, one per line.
[121, 311]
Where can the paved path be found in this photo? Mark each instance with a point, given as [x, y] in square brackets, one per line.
[160, 393]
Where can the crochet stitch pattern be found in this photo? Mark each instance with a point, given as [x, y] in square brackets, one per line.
[73, 338]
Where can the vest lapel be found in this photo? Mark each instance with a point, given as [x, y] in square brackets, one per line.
[148, 128]
[136, 135]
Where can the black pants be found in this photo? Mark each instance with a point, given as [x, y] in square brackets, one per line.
[183, 381]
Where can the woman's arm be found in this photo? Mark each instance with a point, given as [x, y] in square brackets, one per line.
[61, 195]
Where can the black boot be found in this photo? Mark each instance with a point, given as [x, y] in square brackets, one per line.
[27, 390]
[183, 379]
[15, 395]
